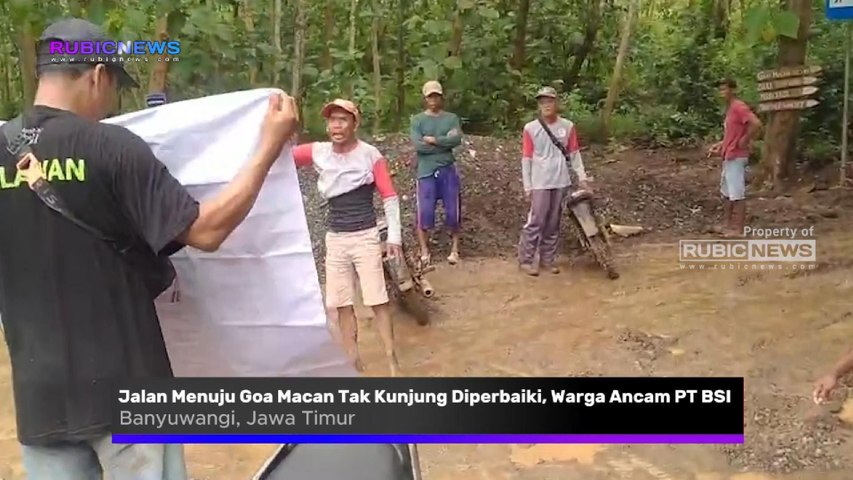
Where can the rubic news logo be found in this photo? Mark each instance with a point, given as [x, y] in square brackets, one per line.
[112, 51]
[775, 250]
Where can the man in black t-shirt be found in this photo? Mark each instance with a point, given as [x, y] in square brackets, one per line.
[78, 316]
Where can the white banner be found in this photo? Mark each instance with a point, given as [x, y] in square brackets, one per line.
[254, 307]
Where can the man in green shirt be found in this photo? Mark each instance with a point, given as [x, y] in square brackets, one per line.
[435, 133]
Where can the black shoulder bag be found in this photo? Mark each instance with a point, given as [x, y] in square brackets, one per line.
[572, 174]
[157, 271]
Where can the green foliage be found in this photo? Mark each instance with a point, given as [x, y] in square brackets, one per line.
[668, 95]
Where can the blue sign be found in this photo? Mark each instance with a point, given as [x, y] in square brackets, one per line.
[839, 9]
[155, 99]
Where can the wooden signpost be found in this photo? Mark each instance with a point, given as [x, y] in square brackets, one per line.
[787, 105]
[787, 83]
[788, 88]
[790, 93]
[786, 72]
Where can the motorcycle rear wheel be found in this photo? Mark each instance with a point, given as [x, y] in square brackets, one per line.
[603, 255]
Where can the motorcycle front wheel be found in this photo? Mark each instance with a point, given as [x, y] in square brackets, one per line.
[412, 303]
[603, 255]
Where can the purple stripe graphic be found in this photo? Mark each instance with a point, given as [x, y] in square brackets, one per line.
[432, 438]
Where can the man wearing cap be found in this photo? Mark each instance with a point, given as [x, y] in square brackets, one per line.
[350, 171]
[78, 311]
[546, 179]
[435, 134]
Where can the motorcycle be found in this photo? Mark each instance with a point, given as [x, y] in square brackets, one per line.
[406, 281]
[590, 229]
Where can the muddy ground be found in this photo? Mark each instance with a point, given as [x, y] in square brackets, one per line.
[779, 329]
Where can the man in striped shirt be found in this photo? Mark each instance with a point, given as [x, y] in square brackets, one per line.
[546, 178]
[350, 171]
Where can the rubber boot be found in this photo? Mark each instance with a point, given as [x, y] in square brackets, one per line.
[726, 221]
[738, 219]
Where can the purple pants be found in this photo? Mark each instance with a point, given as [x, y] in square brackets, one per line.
[542, 230]
[443, 185]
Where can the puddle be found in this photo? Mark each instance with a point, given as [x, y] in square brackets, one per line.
[549, 453]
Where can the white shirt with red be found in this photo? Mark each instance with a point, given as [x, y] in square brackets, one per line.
[347, 180]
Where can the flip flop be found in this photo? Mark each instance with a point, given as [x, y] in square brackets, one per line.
[453, 258]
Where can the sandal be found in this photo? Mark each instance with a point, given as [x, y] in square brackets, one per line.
[453, 258]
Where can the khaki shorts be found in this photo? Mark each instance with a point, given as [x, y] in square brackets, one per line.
[347, 255]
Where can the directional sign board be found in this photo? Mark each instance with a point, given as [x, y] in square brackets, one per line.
[786, 83]
[787, 105]
[786, 72]
[790, 93]
[839, 9]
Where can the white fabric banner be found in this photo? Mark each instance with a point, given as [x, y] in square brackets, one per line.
[254, 307]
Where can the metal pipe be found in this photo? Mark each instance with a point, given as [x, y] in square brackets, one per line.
[426, 288]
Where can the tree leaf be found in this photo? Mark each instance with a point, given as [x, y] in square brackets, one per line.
[96, 12]
[453, 63]
[769, 33]
[755, 21]
[787, 23]
[490, 13]
[176, 21]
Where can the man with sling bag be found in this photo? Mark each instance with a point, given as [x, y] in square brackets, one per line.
[92, 216]
[549, 146]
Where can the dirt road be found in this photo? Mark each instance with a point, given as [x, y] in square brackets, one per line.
[778, 329]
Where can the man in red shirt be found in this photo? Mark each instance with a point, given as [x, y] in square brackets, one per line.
[349, 173]
[741, 127]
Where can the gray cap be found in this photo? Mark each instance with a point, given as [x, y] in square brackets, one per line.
[546, 92]
[78, 30]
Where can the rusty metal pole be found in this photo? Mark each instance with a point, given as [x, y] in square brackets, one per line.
[843, 172]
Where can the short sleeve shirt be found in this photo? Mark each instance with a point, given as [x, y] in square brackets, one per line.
[736, 127]
[77, 316]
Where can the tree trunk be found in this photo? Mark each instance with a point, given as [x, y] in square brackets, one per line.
[160, 70]
[246, 12]
[721, 18]
[298, 50]
[520, 42]
[780, 137]
[377, 73]
[27, 48]
[518, 60]
[402, 12]
[593, 24]
[353, 25]
[328, 35]
[615, 79]
[276, 41]
[454, 46]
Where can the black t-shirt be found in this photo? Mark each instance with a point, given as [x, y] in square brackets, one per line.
[77, 315]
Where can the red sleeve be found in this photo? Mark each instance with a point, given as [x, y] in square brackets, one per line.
[572, 144]
[526, 145]
[303, 154]
[383, 179]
